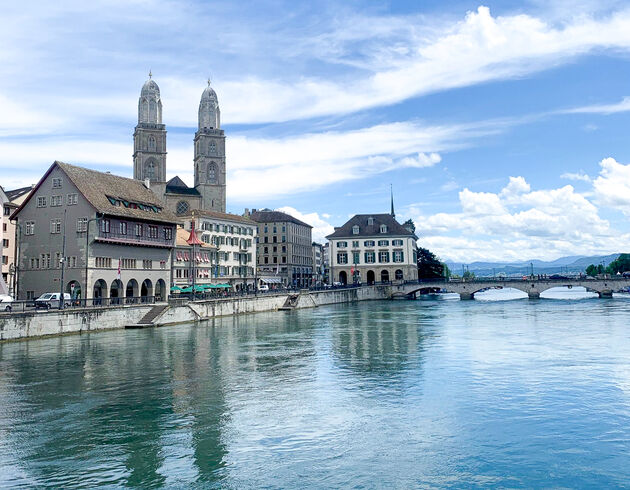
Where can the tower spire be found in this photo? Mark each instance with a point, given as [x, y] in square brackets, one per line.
[391, 191]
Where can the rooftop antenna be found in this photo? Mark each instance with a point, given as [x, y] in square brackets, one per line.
[150, 74]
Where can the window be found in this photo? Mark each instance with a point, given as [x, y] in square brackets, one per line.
[355, 257]
[105, 226]
[7, 210]
[383, 228]
[153, 231]
[342, 244]
[41, 201]
[128, 263]
[284, 239]
[182, 207]
[138, 229]
[168, 235]
[56, 201]
[123, 228]
[398, 256]
[149, 169]
[212, 173]
[147, 264]
[162, 264]
[355, 244]
[104, 262]
[355, 230]
[397, 243]
[82, 224]
[212, 148]
[5, 259]
[56, 183]
[370, 221]
[73, 199]
[29, 229]
[370, 257]
[383, 256]
[342, 258]
[383, 243]
[55, 226]
[151, 144]
[284, 248]
[368, 243]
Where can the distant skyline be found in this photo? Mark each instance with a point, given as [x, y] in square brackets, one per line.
[502, 126]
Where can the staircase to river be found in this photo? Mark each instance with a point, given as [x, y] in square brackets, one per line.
[148, 319]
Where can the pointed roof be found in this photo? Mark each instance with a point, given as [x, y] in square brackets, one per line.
[193, 239]
[178, 186]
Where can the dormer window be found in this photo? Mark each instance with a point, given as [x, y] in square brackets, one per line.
[355, 230]
[383, 228]
[370, 221]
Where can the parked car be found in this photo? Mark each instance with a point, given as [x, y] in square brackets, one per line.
[263, 287]
[5, 302]
[626, 274]
[51, 300]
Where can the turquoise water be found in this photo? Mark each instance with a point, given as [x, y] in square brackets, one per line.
[372, 395]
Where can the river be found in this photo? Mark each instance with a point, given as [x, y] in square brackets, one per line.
[384, 394]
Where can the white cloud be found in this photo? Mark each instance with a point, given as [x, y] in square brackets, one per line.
[579, 176]
[321, 227]
[421, 160]
[612, 186]
[521, 222]
[622, 106]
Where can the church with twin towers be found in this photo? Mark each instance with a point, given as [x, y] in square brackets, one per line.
[149, 154]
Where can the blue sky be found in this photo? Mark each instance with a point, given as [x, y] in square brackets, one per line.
[502, 126]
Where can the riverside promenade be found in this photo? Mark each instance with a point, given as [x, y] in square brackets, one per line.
[33, 324]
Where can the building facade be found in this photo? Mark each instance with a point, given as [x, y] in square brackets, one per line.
[318, 264]
[229, 249]
[10, 235]
[118, 237]
[4, 242]
[149, 157]
[372, 248]
[285, 251]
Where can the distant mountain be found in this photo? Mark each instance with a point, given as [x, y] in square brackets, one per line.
[568, 265]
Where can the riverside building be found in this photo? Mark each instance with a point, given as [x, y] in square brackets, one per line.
[118, 237]
[373, 248]
[10, 234]
[285, 252]
[229, 249]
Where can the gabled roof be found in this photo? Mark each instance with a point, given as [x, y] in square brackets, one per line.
[371, 230]
[100, 188]
[178, 186]
[268, 216]
[16, 193]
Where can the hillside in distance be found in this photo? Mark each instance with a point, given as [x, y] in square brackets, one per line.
[564, 265]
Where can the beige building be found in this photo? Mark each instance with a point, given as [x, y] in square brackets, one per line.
[9, 231]
[373, 248]
[285, 251]
[231, 248]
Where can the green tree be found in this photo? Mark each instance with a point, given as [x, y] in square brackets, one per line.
[409, 224]
[429, 266]
[620, 264]
[591, 270]
[469, 275]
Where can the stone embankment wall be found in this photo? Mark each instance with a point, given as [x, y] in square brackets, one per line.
[44, 323]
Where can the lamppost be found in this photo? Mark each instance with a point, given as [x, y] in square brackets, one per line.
[87, 256]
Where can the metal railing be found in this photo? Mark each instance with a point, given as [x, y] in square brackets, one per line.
[32, 305]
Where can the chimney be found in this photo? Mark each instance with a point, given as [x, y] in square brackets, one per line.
[147, 183]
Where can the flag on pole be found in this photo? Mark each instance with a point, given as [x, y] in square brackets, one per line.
[118, 274]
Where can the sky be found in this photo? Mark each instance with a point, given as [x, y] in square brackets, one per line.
[502, 127]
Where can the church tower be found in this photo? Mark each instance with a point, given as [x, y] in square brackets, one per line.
[149, 137]
[210, 153]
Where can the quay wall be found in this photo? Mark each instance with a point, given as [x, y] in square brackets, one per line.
[32, 324]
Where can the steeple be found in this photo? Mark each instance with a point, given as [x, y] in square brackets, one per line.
[392, 196]
[210, 153]
[149, 138]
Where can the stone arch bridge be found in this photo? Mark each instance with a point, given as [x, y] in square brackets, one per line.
[533, 287]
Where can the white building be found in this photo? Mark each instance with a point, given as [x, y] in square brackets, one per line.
[373, 248]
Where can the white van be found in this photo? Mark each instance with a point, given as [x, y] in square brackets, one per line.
[51, 300]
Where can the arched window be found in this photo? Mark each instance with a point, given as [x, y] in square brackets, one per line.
[151, 143]
[212, 148]
[182, 207]
[149, 170]
[212, 173]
